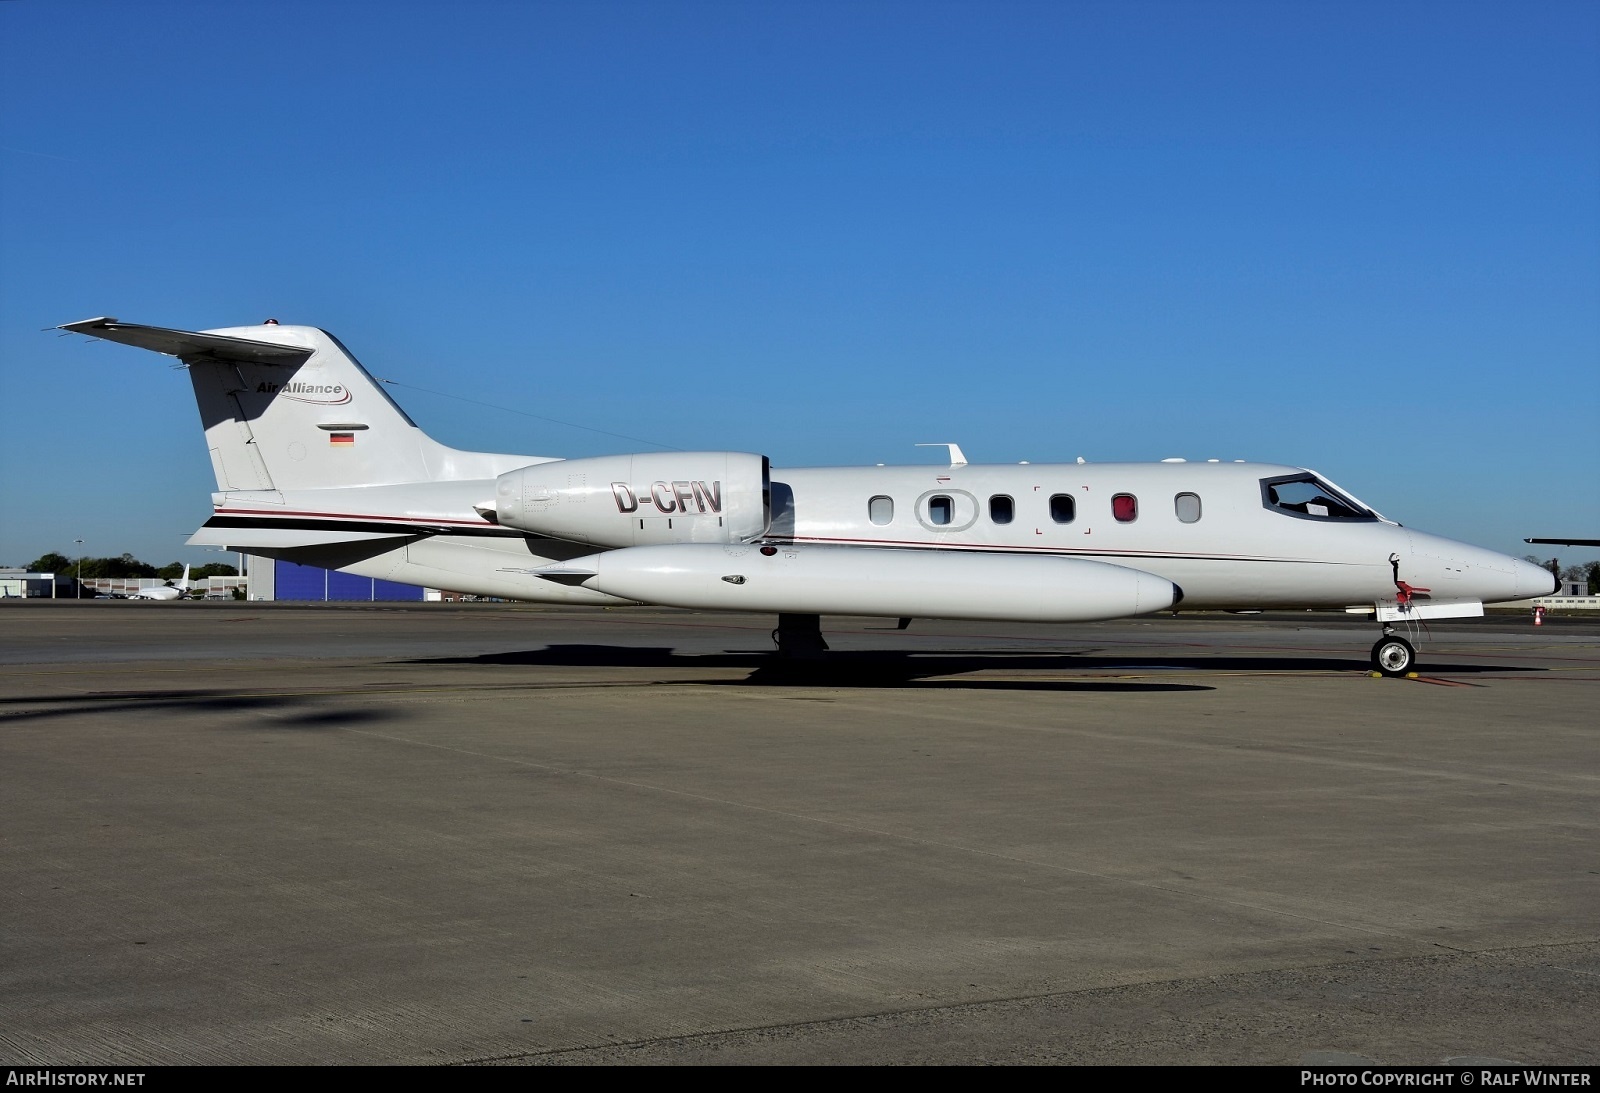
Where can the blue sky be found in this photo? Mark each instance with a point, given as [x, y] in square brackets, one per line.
[1361, 237]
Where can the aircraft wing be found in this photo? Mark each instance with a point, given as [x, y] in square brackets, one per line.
[281, 538]
[1566, 542]
[187, 344]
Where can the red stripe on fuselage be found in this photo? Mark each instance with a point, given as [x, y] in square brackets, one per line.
[986, 548]
[996, 548]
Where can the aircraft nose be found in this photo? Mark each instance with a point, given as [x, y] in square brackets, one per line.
[1461, 571]
[1534, 580]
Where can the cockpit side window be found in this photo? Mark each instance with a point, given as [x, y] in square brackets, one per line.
[1310, 498]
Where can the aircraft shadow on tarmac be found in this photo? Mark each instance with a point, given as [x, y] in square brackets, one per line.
[891, 668]
[281, 711]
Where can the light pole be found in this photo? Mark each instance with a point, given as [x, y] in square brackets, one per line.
[77, 576]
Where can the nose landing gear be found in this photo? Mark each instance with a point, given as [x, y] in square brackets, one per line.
[1393, 655]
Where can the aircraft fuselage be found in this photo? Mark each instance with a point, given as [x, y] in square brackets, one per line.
[1204, 526]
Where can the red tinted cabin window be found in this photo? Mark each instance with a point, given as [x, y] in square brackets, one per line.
[1125, 507]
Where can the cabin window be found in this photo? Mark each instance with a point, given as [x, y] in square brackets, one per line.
[880, 510]
[1002, 510]
[1307, 496]
[1188, 507]
[1063, 508]
[944, 511]
[1125, 507]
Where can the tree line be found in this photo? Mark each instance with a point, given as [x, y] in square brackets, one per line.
[124, 566]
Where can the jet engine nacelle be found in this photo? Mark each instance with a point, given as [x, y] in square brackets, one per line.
[831, 580]
[634, 500]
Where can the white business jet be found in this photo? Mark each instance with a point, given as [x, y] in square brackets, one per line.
[168, 591]
[315, 463]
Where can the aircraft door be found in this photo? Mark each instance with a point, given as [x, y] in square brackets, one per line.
[780, 510]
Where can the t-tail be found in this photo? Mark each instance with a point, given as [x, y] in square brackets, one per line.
[316, 464]
[287, 408]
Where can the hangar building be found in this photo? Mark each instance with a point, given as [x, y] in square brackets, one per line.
[276, 579]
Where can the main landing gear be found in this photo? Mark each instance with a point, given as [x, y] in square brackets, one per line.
[1393, 655]
[799, 636]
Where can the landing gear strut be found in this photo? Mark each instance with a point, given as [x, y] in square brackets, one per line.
[1393, 655]
[799, 636]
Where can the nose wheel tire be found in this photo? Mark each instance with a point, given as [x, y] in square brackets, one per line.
[1393, 656]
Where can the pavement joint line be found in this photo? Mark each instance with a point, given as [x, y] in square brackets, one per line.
[1163, 673]
[1003, 1000]
[930, 843]
[1539, 677]
[278, 666]
[1299, 755]
[502, 688]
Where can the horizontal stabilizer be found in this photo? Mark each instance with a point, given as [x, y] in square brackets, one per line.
[187, 345]
[285, 538]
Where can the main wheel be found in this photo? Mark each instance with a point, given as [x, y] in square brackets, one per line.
[1393, 656]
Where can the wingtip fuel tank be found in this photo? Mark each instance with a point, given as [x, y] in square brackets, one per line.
[824, 580]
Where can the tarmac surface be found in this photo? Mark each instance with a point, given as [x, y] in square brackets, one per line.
[496, 833]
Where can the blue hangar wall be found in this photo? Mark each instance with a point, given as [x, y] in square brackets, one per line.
[292, 581]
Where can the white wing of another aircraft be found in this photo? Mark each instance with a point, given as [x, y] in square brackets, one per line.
[315, 463]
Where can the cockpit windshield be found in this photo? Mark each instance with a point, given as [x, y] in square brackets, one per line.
[1309, 497]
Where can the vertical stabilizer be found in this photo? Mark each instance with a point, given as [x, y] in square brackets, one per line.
[287, 408]
[318, 423]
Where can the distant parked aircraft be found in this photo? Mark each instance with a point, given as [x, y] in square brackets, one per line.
[168, 591]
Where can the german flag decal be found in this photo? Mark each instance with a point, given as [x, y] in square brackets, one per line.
[341, 439]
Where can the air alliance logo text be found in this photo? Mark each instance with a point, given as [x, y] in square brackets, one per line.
[670, 497]
[324, 394]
